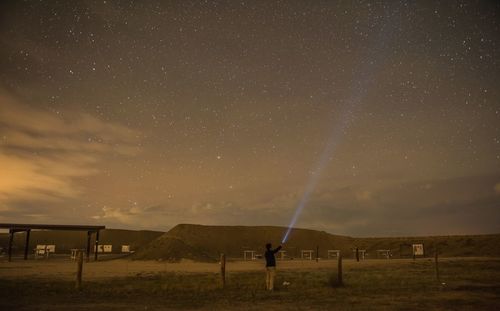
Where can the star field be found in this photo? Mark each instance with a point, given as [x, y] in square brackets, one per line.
[148, 114]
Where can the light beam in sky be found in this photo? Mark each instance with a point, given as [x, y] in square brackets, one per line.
[316, 174]
[364, 74]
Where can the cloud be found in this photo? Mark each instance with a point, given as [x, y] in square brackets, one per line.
[168, 215]
[43, 155]
[384, 208]
[446, 206]
[156, 216]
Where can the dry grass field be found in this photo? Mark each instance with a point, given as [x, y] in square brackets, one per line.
[396, 284]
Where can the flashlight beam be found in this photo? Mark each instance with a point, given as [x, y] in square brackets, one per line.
[314, 178]
[364, 77]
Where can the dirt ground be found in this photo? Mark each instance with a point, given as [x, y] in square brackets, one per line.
[65, 269]
[122, 284]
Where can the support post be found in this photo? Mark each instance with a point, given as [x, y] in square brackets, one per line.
[223, 269]
[357, 254]
[26, 244]
[79, 269]
[339, 270]
[317, 253]
[437, 266]
[96, 245]
[89, 235]
[11, 238]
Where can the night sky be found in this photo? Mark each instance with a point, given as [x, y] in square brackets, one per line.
[146, 114]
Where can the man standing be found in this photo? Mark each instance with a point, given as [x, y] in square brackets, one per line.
[270, 265]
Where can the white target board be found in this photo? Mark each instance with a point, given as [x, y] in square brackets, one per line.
[418, 249]
[104, 248]
[42, 248]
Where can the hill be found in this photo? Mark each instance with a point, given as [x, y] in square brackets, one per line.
[205, 243]
[210, 241]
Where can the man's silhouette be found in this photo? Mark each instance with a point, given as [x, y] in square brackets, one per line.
[270, 265]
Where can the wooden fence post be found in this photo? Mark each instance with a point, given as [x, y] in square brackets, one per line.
[437, 266]
[223, 269]
[11, 239]
[27, 244]
[89, 236]
[339, 270]
[357, 254]
[79, 269]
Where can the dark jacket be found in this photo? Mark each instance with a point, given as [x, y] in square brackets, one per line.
[270, 260]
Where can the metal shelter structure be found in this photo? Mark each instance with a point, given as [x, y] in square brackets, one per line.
[359, 253]
[333, 253]
[306, 254]
[384, 253]
[14, 228]
[251, 253]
